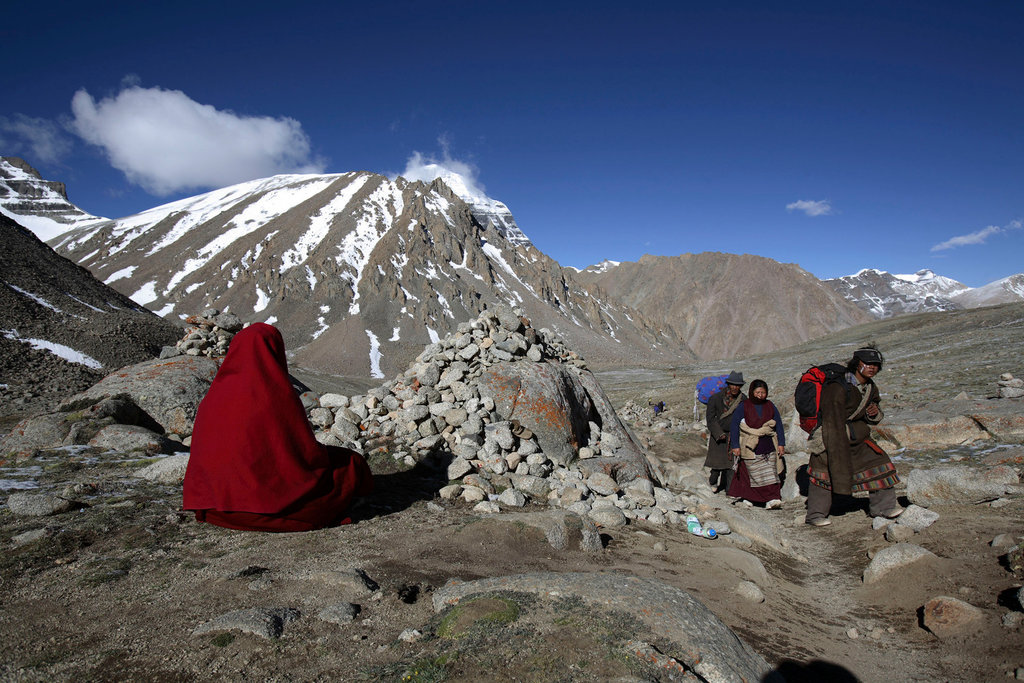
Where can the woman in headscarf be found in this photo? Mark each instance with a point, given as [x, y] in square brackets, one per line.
[255, 464]
[757, 441]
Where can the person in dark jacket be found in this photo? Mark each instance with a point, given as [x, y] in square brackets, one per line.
[851, 461]
[721, 407]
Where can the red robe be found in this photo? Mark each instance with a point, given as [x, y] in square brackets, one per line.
[255, 464]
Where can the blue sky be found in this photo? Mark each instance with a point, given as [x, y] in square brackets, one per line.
[833, 135]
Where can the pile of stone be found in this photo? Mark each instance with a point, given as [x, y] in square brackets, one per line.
[1010, 387]
[514, 416]
[208, 334]
[643, 417]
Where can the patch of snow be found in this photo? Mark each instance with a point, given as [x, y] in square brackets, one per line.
[145, 294]
[375, 356]
[66, 352]
[399, 262]
[311, 278]
[320, 225]
[87, 305]
[394, 334]
[262, 300]
[322, 320]
[498, 257]
[434, 338]
[271, 320]
[357, 246]
[255, 215]
[38, 299]
[602, 267]
[445, 308]
[123, 273]
[166, 310]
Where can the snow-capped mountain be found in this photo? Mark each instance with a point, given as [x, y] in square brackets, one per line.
[602, 267]
[485, 209]
[359, 271]
[885, 295]
[40, 205]
[1007, 290]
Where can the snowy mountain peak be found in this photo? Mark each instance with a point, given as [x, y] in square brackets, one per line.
[354, 268]
[485, 209]
[602, 267]
[885, 294]
[40, 205]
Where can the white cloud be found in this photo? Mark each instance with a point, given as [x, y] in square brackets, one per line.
[811, 208]
[977, 237]
[40, 140]
[166, 142]
[426, 169]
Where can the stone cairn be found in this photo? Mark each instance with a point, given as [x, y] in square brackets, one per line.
[1009, 387]
[208, 334]
[434, 412]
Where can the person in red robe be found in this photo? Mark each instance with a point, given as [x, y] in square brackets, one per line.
[758, 441]
[255, 464]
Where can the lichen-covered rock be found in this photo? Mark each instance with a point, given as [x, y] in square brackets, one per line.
[168, 391]
[948, 617]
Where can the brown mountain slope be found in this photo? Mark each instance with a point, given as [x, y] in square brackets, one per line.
[729, 305]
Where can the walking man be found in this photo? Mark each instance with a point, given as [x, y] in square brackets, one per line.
[850, 460]
[721, 406]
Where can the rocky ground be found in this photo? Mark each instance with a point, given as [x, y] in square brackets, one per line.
[122, 588]
[122, 585]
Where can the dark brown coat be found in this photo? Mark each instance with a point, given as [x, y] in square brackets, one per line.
[851, 461]
[718, 428]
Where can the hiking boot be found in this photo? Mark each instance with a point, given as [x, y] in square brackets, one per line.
[820, 521]
[893, 513]
[773, 504]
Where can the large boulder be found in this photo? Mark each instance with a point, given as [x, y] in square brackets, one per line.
[561, 404]
[168, 391]
[113, 422]
[691, 633]
[548, 399]
[929, 428]
[952, 422]
[959, 484]
[34, 433]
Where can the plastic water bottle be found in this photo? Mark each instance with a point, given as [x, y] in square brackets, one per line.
[693, 525]
[709, 532]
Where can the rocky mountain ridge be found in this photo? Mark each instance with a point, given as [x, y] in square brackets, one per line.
[884, 294]
[40, 205]
[60, 328]
[360, 271]
[728, 305]
[357, 270]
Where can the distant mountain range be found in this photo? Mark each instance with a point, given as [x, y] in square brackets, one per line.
[885, 295]
[360, 271]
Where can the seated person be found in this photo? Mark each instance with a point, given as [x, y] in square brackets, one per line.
[255, 464]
